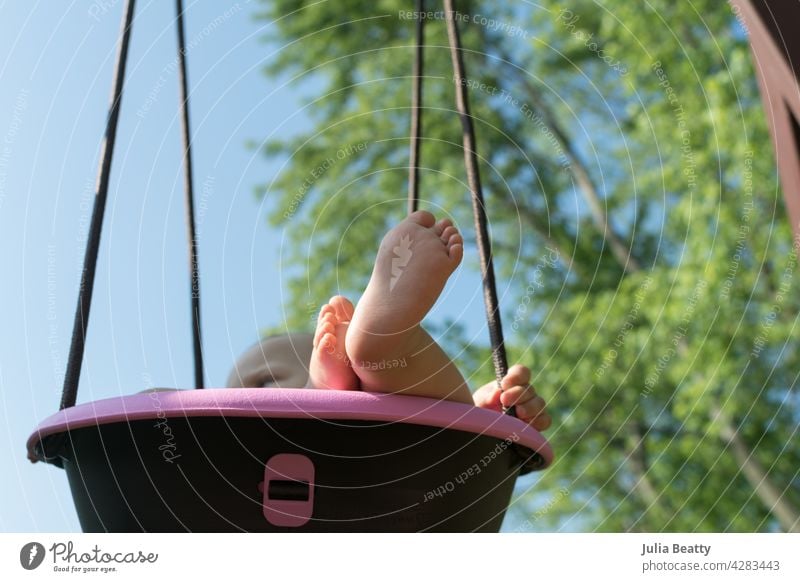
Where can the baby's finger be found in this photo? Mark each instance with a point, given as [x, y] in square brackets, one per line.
[530, 409]
[517, 395]
[488, 397]
[541, 422]
[517, 375]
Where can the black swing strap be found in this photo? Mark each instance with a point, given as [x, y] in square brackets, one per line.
[479, 209]
[78, 342]
[416, 110]
[75, 359]
[194, 272]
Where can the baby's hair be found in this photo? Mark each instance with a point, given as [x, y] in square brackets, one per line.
[236, 379]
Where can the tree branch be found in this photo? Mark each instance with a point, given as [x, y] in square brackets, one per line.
[532, 217]
[578, 169]
[638, 461]
[756, 475]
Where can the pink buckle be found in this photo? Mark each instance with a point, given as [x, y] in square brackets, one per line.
[288, 489]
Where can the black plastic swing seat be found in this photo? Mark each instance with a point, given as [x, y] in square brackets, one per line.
[220, 460]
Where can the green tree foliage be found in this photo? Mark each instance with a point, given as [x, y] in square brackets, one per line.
[635, 208]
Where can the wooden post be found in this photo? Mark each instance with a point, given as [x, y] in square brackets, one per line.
[772, 29]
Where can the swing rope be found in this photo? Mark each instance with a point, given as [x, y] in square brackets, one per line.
[78, 343]
[188, 189]
[493, 321]
[416, 110]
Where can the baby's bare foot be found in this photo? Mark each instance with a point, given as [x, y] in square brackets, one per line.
[414, 261]
[329, 366]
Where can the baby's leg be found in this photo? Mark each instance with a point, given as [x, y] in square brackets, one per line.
[388, 349]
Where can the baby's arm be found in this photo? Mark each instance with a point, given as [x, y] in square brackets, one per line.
[529, 407]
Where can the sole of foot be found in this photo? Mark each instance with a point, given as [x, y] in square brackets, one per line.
[414, 262]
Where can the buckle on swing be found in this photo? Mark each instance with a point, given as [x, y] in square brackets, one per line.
[288, 490]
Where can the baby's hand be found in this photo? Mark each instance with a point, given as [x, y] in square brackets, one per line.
[517, 392]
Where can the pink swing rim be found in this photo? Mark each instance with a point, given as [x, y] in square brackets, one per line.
[329, 405]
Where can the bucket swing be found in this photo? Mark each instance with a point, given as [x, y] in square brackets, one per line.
[285, 460]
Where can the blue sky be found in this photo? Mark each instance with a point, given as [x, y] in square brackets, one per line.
[56, 68]
[56, 61]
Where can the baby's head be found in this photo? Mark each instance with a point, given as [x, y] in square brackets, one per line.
[279, 361]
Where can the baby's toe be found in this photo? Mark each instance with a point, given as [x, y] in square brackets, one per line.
[455, 252]
[326, 309]
[343, 308]
[447, 233]
[325, 325]
[423, 218]
[328, 342]
[440, 226]
[455, 239]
